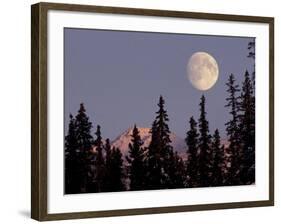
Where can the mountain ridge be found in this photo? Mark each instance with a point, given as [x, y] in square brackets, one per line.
[122, 141]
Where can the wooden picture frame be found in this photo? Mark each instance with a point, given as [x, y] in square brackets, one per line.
[39, 109]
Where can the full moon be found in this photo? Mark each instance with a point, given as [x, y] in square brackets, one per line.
[202, 71]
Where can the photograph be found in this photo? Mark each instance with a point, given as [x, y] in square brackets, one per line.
[157, 111]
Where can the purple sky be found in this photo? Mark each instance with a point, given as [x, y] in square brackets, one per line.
[120, 75]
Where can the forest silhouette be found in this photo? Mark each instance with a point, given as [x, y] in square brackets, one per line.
[93, 165]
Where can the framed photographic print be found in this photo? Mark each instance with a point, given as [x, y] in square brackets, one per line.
[138, 111]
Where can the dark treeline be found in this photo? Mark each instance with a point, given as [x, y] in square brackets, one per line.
[93, 165]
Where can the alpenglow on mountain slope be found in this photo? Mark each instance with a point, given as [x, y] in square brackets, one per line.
[123, 140]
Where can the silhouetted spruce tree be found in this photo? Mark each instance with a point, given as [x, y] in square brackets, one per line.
[136, 162]
[247, 131]
[251, 48]
[252, 55]
[84, 152]
[107, 149]
[191, 141]
[159, 150]
[117, 173]
[154, 162]
[205, 155]
[108, 166]
[72, 174]
[99, 162]
[233, 133]
[176, 171]
[219, 160]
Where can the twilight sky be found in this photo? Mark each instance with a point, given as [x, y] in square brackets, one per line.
[120, 75]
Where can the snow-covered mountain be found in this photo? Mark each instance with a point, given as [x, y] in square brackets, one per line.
[123, 140]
